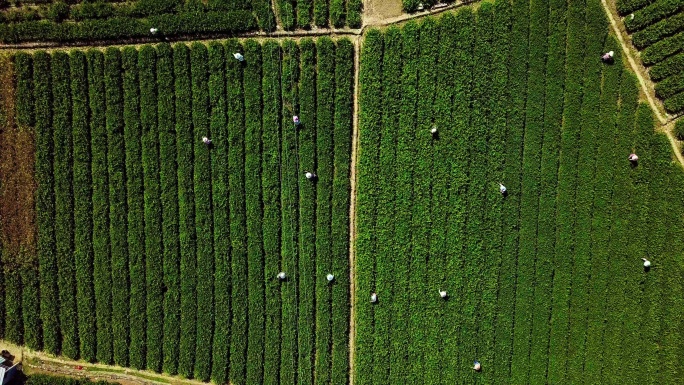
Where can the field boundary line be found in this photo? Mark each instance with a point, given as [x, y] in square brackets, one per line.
[638, 71]
[43, 362]
[352, 216]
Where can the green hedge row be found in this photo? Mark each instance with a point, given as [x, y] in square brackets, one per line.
[186, 23]
[203, 210]
[670, 86]
[675, 103]
[64, 204]
[270, 183]
[117, 204]
[341, 192]
[409, 47]
[606, 156]
[653, 13]
[585, 191]
[325, 111]
[515, 50]
[662, 49]
[565, 203]
[186, 209]
[493, 238]
[238, 222]
[289, 198]
[306, 138]
[238, 218]
[623, 202]
[153, 210]
[628, 6]
[391, 92]
[254, 210]
[133, 139]
[532, 263]
[168, 179]
[370, 124]
[547, 259]
[671, 66]
[658, 31]
[219, 169]
[83, 206]
[102, 275]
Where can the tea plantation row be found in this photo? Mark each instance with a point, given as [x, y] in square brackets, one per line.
[657, 29]
[96, 21]
[159, 252]
[545, 284]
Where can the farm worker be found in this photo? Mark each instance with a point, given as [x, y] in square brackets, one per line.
[633, 157]
[206, 140]
[310, 176]
[282, 276]
[374, 298]
[502, 189]
[296, 121]
[434, 130]
[608, 57]
[330, 277]
[647, 263]
[477, 366]
[153, 30]
[443, 293]
[238, 56]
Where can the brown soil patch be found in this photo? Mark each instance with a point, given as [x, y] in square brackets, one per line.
[17, 182]
[375, 11]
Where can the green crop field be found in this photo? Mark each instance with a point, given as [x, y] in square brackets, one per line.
[657, 29]
[125, 240]
[156, 251]
[546, 284]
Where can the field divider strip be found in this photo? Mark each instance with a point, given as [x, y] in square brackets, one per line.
[352, 214]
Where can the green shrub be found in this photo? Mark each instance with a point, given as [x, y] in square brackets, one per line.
[679, 129]
[58, 12]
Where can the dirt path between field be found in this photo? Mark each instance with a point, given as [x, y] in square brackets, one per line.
[630, 52]
[352, 216]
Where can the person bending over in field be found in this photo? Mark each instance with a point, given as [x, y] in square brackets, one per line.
[647, 263]
[238, 56]
[295, 120]
[310, 176]
[633, 158]
[374, 298]
[502, 190]
[477, 366]
[206, 141]
[608, 57]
